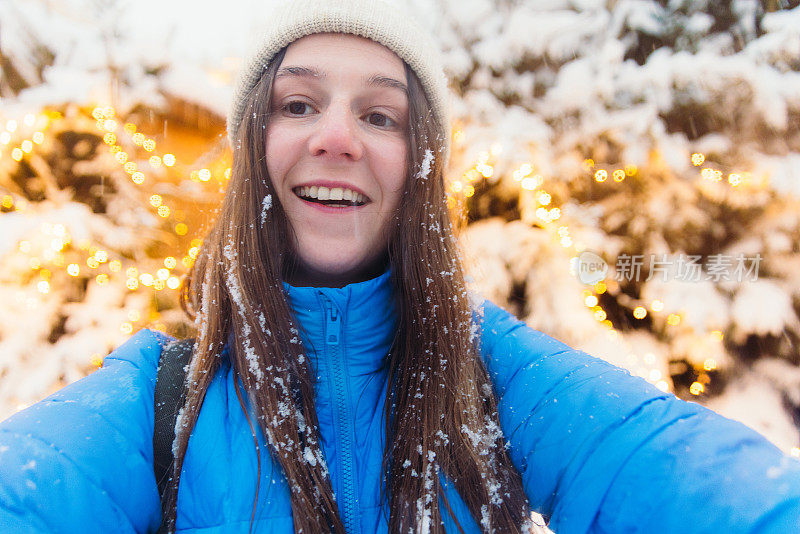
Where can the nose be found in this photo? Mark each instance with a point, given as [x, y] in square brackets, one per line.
[336, 134]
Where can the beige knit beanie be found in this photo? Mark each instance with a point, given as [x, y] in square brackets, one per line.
[374, 19]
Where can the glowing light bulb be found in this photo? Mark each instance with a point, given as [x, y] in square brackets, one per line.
[590, 301]
[710, 364]
[657, 305]
[27, 146]
[170, 262]
[155, 200]
[639, 312]
[11, 126]
[163, 211]
[155, 161]
[173, 282]
[169, 160]
[696, 388]
[126, 328]
[698, 159]
[618, 175]
[137, 177]
[601, 175]
[204, 175]
[181, 229]
[149, 145]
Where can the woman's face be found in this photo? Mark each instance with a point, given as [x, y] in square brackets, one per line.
[336, 149]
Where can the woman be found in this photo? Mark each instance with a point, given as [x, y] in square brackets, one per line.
[342, 379]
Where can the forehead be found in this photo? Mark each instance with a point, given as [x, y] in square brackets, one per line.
[339, 54]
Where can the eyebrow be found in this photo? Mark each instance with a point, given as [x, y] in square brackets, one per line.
[376, 80]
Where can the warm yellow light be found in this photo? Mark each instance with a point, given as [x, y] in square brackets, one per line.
[170, 262]
[600, 315]
[204, 174]
[698, 159]
[17, 154]
[696, 388]
[600, 287]
[734, 179]
[45, 274]
[227, 173]
[34, 263]
[114, 149]
[554, 214]
[187, 261]
[717, 335]
[673, 319]
[149, 145]
[155, 200]
[132, 283]
[126, 328]
[11, 125]
[115, 266]
[26, 146]
[193, 253]
[541, 213]
[29, 119]
[618, 175]
[132, 272]
[110, 125]
[657, 305]
[121, 156]
[487, 171]
[169, 160]
[97, 113]
[181, 229]
[631, 170]
[158, 285]
[73, 269]
[456, 186]
[130, 167]
[543, 197]
[710, 364]
[639, 312]
[590, 301]
[588, 163]
[163, 211]
[196, 242]
[134, 315]
[194, 176]
[130, 128]
[96, 360]
[138, 139]
[662, 385]
[162, 274]
[43, 286]
[566, 241]
[57, 244]
[101, 256]
[38, 137]
[7, 202]
[109, 138]
[24, 247]
[5, 138]
[173, 282]
[102, 279]
[601, 175]
[93, 263]
[137, 177]
[155, 161]
[146, 279]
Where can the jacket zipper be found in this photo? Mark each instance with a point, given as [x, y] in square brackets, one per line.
[348, 504]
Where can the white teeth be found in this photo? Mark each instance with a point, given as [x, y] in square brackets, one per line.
[335, 193]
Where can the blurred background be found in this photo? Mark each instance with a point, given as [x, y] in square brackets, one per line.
[629, 171]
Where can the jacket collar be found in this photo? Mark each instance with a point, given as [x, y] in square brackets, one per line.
[368, 314]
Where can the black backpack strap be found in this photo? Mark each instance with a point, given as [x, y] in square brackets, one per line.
[168, 400]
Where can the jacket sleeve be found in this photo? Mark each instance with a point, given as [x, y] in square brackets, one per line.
[81, 460]
[602, 451]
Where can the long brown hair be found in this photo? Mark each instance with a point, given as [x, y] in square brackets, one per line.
[441, 412]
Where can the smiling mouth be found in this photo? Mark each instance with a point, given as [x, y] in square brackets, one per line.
[335, 196]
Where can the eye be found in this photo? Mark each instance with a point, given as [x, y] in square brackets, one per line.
[380, 120]
[295, 107]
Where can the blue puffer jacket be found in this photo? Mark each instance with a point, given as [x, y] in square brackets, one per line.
[599, 450]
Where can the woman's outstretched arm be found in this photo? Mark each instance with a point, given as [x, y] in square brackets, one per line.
[602, 451]
[82, 459]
